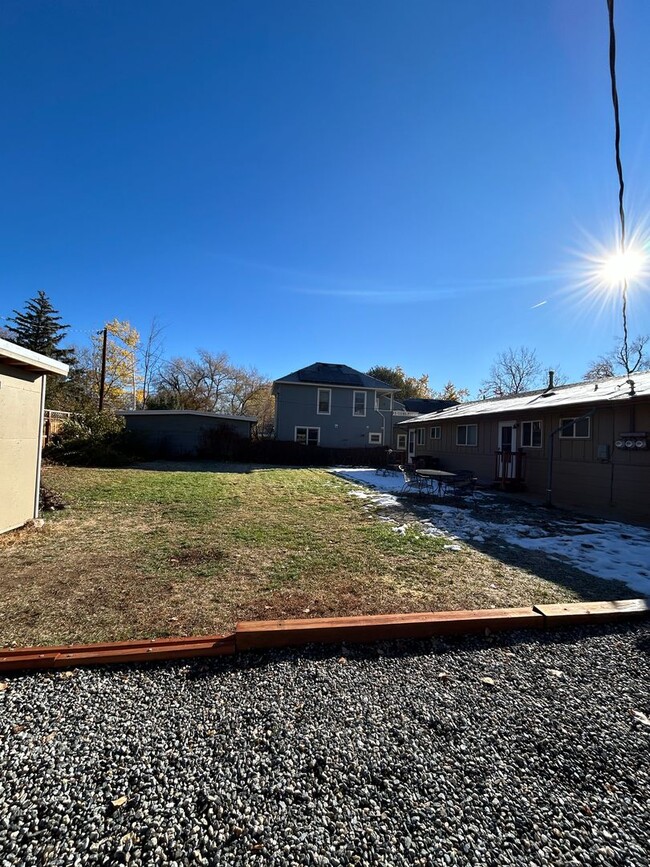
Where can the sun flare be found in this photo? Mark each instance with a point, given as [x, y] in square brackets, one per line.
[621, 267]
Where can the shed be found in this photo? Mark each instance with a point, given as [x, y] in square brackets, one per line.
[181, 432]
[22, 401]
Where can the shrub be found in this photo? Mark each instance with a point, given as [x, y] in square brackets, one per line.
[92, 439]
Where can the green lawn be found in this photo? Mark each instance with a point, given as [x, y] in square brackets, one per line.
[146, 553]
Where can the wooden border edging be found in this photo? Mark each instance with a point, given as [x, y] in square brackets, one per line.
[153, 650]
[593, 612]
[265, 634]
[381, 627]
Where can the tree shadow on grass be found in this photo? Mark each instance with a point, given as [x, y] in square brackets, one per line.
[191, 466]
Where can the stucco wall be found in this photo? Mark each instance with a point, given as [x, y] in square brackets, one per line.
[296, 406]
[620, 484]
[20, 415]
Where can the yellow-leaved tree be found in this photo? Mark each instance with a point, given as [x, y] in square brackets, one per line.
[122, 383]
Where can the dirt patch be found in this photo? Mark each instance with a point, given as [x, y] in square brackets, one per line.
[197, 556]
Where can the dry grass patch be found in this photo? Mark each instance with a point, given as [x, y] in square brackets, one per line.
[150, 553]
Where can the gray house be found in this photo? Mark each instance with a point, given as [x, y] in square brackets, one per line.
[181, 432]
[336, 406]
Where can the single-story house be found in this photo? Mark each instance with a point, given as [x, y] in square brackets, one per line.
[22, 401]
[336, 406]
[583, 445]
[182, 432]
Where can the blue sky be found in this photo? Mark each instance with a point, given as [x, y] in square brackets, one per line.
[363, 182]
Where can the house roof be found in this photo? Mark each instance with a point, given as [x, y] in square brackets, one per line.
[321, 373]
[426, 404]
[18, 356]
[221, 415]
[585, 394]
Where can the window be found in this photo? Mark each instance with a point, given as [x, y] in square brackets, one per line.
[401, 441]
[466, 435]
[308, 436]
[575, 428]
[419, 436]
[324, 401]
[531, 434]
[374, 439]
[435, 432]
[359, 403]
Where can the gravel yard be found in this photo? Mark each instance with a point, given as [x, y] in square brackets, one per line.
[385, 754]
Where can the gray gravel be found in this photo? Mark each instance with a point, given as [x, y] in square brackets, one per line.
[389, 754]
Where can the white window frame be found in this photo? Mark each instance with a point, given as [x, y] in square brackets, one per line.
[329, 401]
[374, 442]
[306, 428]
[401, 442]
[531, 445]
[354, 404]
[467, 427]
[435, 432]
[419, 436]
[570, 433]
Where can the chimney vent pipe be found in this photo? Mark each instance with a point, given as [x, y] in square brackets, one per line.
[551, 379]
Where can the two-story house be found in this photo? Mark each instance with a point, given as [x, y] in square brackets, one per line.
[334, 405]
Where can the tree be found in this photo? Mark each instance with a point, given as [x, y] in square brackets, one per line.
[451, 392]
[512, 371]
[122, 381]
[614, 362]
[409, 386]
[150, 359]
[39, 328]
[212, 383]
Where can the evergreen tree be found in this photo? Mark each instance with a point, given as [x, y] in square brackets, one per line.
[39, 328]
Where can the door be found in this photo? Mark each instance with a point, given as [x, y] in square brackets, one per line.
[411, 451]
[507, 447]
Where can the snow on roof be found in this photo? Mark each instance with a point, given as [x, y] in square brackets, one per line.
[18, 356]
[617, 388]
[223, 415]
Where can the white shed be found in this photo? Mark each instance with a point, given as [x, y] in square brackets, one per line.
[22, 401]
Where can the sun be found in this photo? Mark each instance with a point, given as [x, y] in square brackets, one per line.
[621, 267]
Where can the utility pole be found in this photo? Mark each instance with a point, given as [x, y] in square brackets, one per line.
[102, 381]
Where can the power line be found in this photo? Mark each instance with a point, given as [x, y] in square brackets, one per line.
[619, 169]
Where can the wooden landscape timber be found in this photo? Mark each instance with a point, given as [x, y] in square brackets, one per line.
[265, 634]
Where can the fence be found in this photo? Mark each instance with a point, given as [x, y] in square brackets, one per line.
[53, 421]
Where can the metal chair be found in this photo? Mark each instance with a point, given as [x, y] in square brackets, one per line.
[463, 483]
[413, 483]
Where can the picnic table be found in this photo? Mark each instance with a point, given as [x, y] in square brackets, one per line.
[461, 481]
[438, 477]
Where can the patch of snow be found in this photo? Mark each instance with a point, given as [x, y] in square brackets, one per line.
[607, 549]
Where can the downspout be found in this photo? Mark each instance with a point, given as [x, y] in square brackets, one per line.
[382, 416]
[39, 449]
[551, 436]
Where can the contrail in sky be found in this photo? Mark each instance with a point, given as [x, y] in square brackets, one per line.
[541, 304]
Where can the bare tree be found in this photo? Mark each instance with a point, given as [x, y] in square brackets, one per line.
[150, 360]
[246, 384]
[512, 371]
[193, 383]
[619, 360]
[209, 382]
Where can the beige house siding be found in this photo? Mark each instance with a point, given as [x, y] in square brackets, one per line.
[20, 421]
[580, 479]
